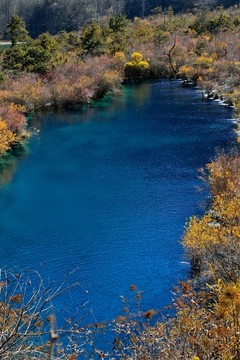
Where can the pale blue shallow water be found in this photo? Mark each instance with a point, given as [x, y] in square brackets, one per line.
[107, 191]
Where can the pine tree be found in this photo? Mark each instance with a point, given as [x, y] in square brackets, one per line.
[17, 30]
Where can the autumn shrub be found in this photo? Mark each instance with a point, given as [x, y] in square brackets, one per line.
[204, 325]
[80, 82]
[137, 67]
[214, 239]
[224, 174]
[68, 85]
[27, 90]
[7, 137]
[14, 118]
[13, 125]
[65, 93]
[119, 60]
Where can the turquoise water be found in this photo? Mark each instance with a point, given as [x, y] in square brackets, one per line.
[105, 192]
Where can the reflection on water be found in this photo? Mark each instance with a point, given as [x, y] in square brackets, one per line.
[9, 161]
[140, 95]
[7, 171]
[113, 102]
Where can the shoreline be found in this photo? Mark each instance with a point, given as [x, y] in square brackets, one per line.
[50, 107]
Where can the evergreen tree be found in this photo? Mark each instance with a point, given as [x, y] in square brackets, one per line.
[17, 30]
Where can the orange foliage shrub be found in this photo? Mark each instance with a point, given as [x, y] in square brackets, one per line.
[7, 137]
[12, 115]
[12, 124]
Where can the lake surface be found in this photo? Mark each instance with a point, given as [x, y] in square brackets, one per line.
[105, 192]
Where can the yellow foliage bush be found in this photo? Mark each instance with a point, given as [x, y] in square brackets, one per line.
[7, 137]
[136, 57]
[205, 61]
[137, 67]
[120, 56]
[202, 233]
[224, 175]
[215, 238]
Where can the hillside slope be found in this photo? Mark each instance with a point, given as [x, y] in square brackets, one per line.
[56, 15]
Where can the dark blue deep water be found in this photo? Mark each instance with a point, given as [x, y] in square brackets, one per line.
[107, 191]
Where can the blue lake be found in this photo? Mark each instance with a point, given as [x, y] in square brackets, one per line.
[105, 192]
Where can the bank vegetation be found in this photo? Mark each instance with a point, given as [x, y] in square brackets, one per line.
[73, 69]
